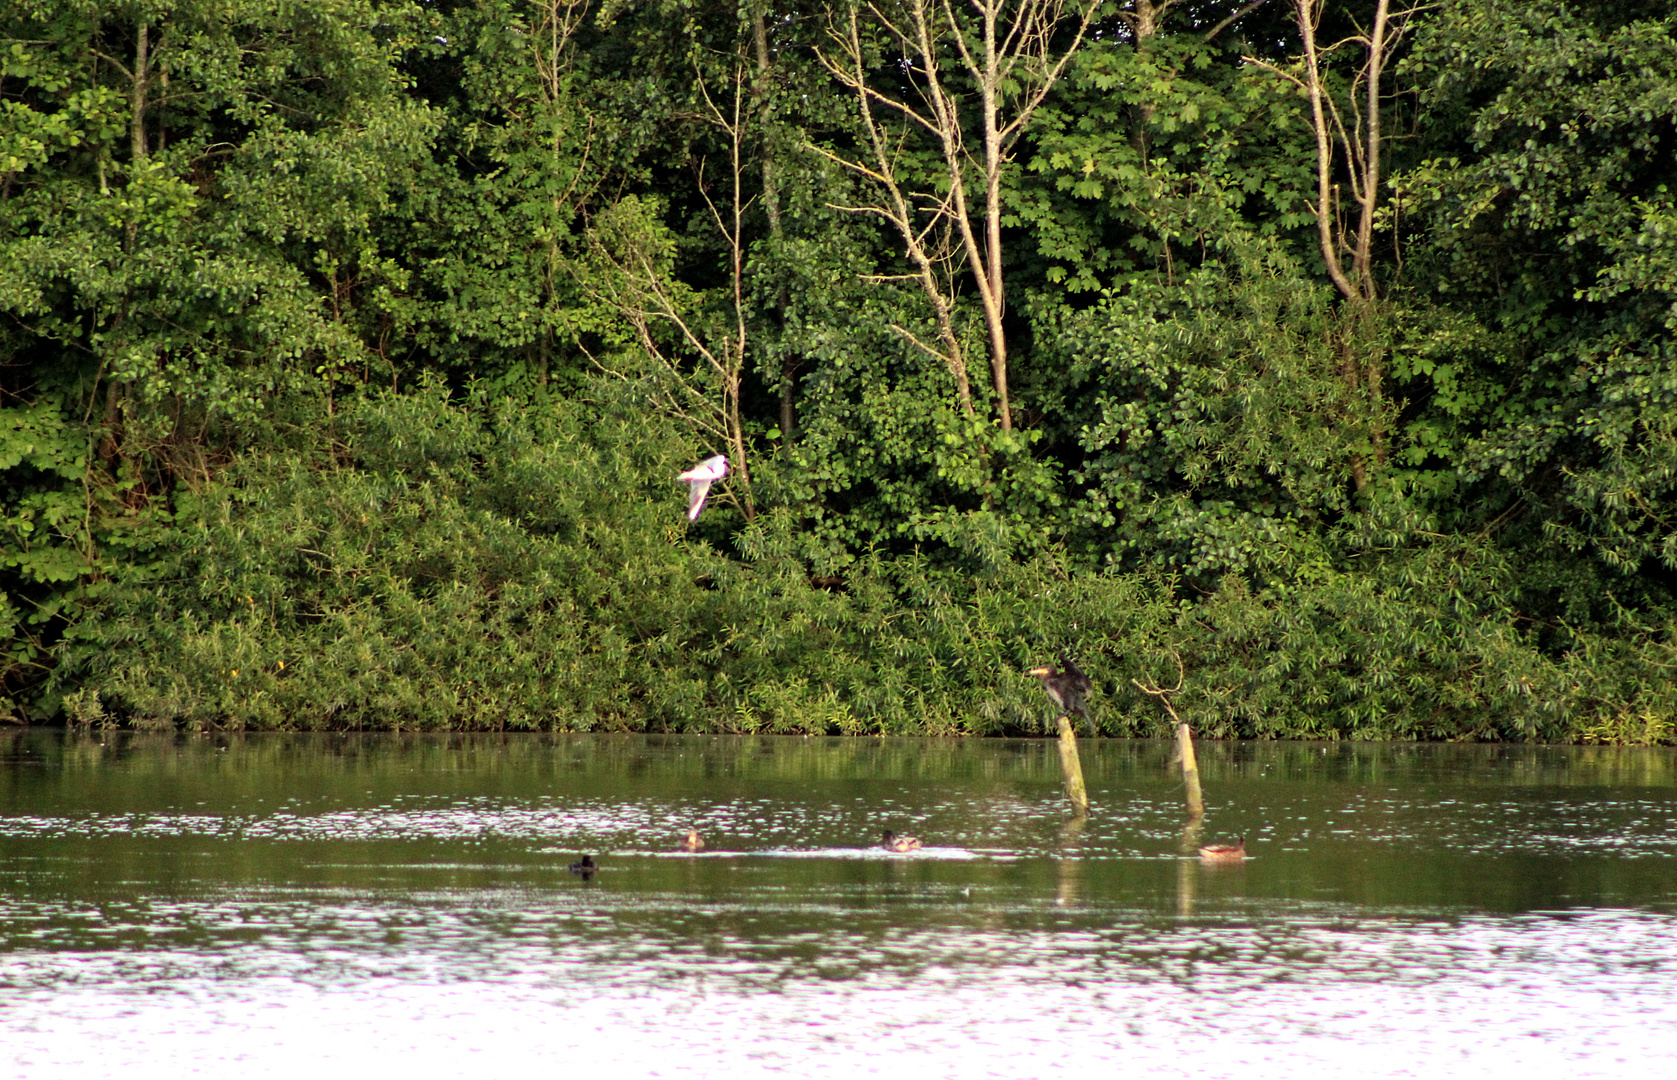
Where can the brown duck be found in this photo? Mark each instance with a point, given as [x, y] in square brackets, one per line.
[893, 842]
[1225, 852]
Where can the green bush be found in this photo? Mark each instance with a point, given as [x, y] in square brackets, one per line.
[441, 564]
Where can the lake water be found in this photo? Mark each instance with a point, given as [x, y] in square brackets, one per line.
[383, 905]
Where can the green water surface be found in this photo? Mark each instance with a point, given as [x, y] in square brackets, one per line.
[288, 901]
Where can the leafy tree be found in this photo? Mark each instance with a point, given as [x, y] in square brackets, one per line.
[186, 219]
[1546, 203]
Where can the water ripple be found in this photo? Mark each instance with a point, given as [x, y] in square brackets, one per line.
[1573, 994]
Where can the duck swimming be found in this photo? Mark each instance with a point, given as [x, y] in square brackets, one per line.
[1225, 852]
[694, 841]
[893, 842]
[584, 867]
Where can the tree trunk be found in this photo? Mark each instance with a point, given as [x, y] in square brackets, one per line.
[1360, 140]
[140, 84]
[1022, 64]
[771, 209]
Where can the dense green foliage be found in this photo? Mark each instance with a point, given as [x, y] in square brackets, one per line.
[351, 349]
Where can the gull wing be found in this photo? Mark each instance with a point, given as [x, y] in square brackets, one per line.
[698, 489]
[698, 480]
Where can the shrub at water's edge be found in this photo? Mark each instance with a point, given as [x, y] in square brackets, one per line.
[530, 568]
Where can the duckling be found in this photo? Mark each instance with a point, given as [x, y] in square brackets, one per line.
[1225, 852]
[893, 842]
[694, 841]
[584, 867]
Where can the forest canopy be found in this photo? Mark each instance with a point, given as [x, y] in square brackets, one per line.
[1323, 353]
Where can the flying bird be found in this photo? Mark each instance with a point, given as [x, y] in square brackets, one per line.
[699, 478]
[1069, 687]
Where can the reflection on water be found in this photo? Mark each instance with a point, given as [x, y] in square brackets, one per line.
[261, 905]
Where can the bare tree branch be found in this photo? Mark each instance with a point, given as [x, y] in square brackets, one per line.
[1350, 130]
[1232, 19]
[1003, 49]
[645, 296]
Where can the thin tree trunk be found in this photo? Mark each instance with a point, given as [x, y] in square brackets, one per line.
[1363, 258]
[1020, 63]
[137, 95]
[995, 298]
[1307, 14]
[771, 209]
[771, 191]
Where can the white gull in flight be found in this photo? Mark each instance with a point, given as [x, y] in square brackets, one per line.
[699, 478]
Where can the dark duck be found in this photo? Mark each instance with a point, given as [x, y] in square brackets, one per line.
[584, 867]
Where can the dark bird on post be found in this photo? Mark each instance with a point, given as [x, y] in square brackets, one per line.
[584, 867]
[1068, 686]
[892, 842]
[1225, 852]
[699, 478]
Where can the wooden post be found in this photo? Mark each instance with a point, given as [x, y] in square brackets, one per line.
[1190, 770]
[1071, 767]
[1184, 742]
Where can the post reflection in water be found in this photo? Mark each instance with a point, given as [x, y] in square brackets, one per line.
[1187, 866]
[262, 905]
[1071, 866]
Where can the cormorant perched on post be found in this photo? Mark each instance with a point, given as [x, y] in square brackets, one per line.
[698, 480]
[1069, 687]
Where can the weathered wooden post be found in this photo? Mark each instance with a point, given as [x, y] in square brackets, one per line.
[1184, 743]
[1190, 767]
[1071, 767]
